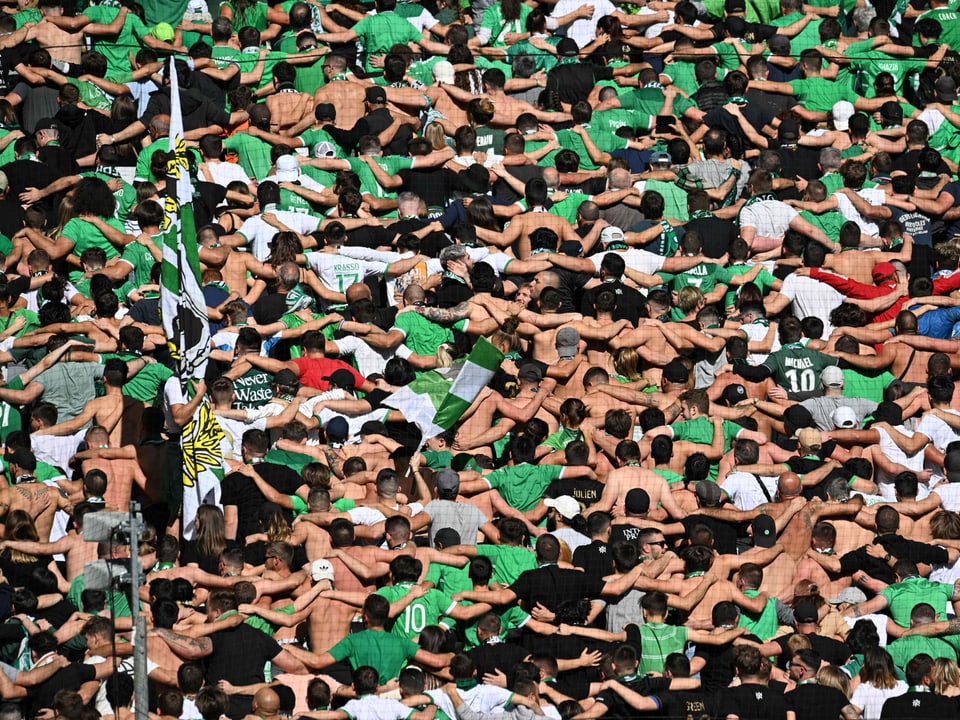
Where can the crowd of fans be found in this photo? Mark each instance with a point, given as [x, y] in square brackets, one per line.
[716, 474]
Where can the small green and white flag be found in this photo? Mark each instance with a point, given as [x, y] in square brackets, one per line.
[436, 400]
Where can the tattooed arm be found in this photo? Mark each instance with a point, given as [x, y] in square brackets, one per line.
[186, 647]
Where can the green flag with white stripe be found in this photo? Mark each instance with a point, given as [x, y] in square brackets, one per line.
[436, 400]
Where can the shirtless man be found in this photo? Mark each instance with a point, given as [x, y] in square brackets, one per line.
[122, 472]
[287, 104]
[77, 550]
[345, 96]
[631, 475]
[26, 494]
[906, 354]
[105, 411]
[66, 44]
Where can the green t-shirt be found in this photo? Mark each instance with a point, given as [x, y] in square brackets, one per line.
[905, 649]
[423, 611]
[700, 430]
[764, 625]
[253, 389]
[604, 124]
[949, 24]
[7, 154]
[764, 280]
[657, 640]
[820, 95]
[91, 95]
[674, 198]
[117, 601]
[494, 21]
[421, 335]
[437, 460]
[224, 55]
[378, 33]
[830, 222]
[117, 49]
[253, 154]
[449, 579]
[669, 475]
[145, 385]
[10, 421]
[510, 619]
[705, 276]
[289, 458]
[255, 16]
[523, 485]
[312, 139]
[383, 650]
[27, 15]
[126, 196]
[143, 173]
[871, 63]
[86, 235]
[806, 38]
[910, 592]
[868, 384]
[797, 368]
[392, 164]
[509, 561]
[568, 207]
[141, 260]
[682, 75]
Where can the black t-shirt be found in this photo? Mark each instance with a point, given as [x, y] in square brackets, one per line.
[242, 492]
[752, 701]
[617, 707]
[724, 534]
[23, 174]
[833, 651]
[433, 185]
[717, 234]
[504, 656]
[798, 160]
[190, 553]
[595, 559]
[631, 305]
[900, 548]
[575, 81]
[583, 490]
[452, 292]
[552, 586]
[368, 237]
[624, 533]
[686, 704]
[57, 614]
[919, 706]
[11, 216]
[718, 672]
[238, 657]
[69, 678]
[811, 701]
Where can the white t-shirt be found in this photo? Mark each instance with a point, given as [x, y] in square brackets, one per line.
[846, 208]
[338, 272]
[744, 490]
[370, 361]
[233, 431]
[640, 260]
[224, 173]
[812, 298]
[870, 699]
[770, 218]
[259, 233]
[372, 707]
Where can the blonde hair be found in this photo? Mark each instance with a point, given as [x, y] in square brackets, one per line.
[437, 136]
[689, 299]
[945, 676]
[626, 362]
[834, 677]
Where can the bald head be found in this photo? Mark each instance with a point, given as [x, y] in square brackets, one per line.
[159, 125]
[267, 702]
[413, 294]
[619, 179]
[551, 176]
[543, 279]
[358, 291]
[789, 485]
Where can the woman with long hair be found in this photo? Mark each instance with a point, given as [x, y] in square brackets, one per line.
[210, 541]
[18, 566]
[946, 677]
[878, 683]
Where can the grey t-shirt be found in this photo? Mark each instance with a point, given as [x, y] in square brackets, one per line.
[465, 518]
[69, 386]
[822, 409]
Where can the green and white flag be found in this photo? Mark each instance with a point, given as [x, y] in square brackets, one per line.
[436, 400]
[182, 305]
[183, 313]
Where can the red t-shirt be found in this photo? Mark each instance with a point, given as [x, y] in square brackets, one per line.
[314, 370]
